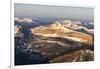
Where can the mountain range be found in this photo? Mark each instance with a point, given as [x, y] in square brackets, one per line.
[52, 40]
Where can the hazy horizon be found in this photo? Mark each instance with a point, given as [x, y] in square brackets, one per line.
[33, 10]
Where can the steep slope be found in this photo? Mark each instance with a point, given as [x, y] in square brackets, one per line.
[77, 56]
[57, 30]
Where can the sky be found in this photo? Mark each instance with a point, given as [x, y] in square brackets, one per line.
[33, 10]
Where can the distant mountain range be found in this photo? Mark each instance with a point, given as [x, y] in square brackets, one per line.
[45, 21]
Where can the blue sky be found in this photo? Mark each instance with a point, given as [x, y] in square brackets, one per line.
[34, 10]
